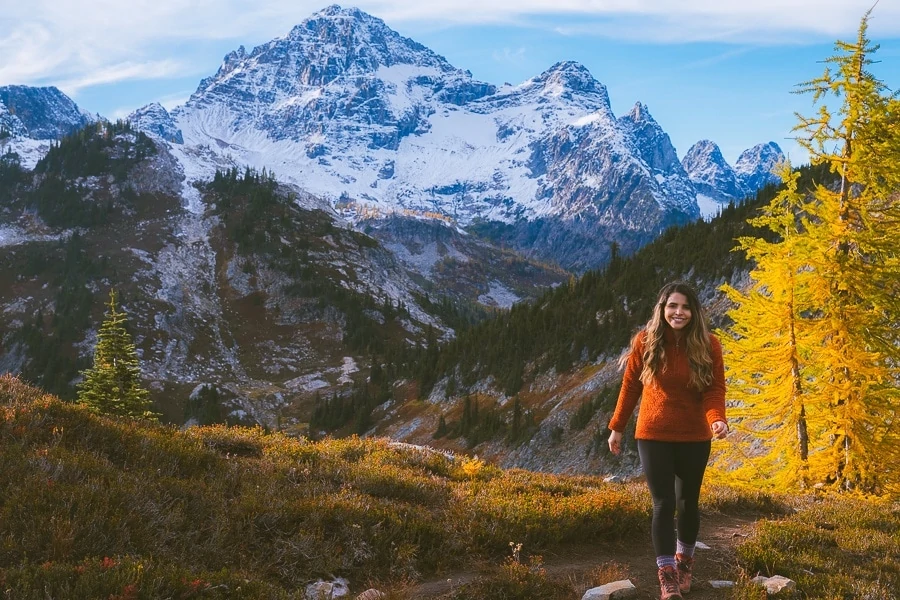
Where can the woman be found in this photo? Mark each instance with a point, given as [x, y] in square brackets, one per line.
[675, 368]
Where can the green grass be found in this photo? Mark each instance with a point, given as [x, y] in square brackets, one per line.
[835, 548]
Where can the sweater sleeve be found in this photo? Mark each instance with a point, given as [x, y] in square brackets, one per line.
[632, 387]
[714, 396]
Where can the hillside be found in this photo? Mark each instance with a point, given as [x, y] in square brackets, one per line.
[287, 317]
[105, 508]
[242, 284]
[598, 313]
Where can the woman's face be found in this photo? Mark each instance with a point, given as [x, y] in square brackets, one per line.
[677, 311]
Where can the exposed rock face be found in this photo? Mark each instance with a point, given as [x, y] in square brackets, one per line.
[334, 76]
[754, 166]
[40, 113]
[348, 109]
[717, 183]
[710, 173]
[155, 119]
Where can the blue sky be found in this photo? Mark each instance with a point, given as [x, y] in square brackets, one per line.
[706, 69]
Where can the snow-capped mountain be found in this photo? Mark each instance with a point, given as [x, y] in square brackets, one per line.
[40, 113]
[155, 119]
[711, 175]
[350, 110]
[377, 124]
[754, 166]
[717, 183]
[32, 118]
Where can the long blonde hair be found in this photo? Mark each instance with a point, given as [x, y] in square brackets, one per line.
[696, 336]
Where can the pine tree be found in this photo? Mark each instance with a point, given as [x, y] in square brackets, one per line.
[112, 386]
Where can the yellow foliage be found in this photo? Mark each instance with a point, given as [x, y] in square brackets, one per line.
[813, 355]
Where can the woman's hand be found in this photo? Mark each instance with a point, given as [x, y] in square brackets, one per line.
[720, 429]
[615, 441]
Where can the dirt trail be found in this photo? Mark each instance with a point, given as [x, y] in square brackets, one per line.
[718, 531]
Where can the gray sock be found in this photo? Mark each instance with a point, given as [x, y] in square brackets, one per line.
[686, 550]
[665, 561]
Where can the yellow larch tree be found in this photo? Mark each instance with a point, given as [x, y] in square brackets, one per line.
[855, 307]
[815, 344]
[775, 406]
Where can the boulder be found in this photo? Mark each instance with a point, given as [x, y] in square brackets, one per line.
[721, 584]
[327, 590]
[776, 584]
[611, 591]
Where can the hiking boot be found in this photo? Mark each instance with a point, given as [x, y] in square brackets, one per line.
[668, 584]
[685, 564]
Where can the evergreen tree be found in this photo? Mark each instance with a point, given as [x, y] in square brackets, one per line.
[205, 406]
[516, 426]
[112, 386]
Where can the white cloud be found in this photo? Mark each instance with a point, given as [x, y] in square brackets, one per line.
[510, 56]
[827, 18]
[84, 43]
[121, 72]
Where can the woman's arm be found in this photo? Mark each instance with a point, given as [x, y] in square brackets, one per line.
[714, 395]
[631, 389]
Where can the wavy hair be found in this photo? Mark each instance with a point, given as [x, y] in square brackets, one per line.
[696, 336]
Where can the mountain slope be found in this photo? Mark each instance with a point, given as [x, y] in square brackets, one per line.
[32, 118]
[544, 376]
[241, 283]
[39, 113]
[259, 292]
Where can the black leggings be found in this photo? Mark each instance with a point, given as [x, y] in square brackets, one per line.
[674, 472]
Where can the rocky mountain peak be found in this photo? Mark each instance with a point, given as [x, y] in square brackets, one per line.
[567, 78]
[652, 143]
[156, 120]
[40, 113]
[352, 41]
[715, 180]
[702, 154]
[639, 113]
[754, 166]
[232, 59]
[335, 53]
[759, 153]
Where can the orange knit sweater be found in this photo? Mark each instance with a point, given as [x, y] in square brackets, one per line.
[671, 411]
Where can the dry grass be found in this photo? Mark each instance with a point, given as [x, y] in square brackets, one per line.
[106, 508]
[94, 507]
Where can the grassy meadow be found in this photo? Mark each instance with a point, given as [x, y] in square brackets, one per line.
[116, 509]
